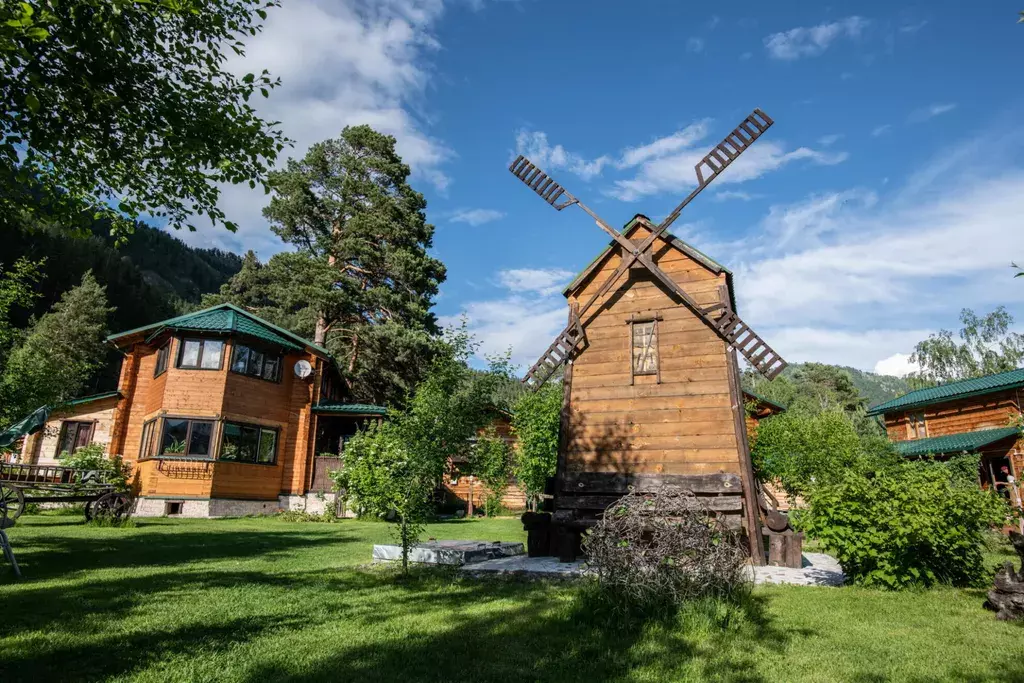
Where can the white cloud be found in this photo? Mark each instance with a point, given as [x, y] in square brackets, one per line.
[476, 217]
[898, 365]
[713, 22]
[810, 41]
[534, 145]
[682, 139]
[931, 111]
[695, 45]
[813, 218]
[881, 130]
[829, 140]
[725, 195]
[674, 172]
[341, 62]
[543, 281]
[745, 56]
[913, 28]
[860, 349]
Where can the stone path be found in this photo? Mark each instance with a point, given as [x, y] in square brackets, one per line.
[819, 570]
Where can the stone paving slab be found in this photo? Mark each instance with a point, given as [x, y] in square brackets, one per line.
[819, 570]
[449, 552]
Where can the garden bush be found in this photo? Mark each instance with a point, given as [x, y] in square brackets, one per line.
[658, 550]
[910, 524]
[92, 457]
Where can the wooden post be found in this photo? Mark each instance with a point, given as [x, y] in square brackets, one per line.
[751, 508]
[565, 424]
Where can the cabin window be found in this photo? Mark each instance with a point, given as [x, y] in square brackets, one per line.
[150, 429]
[246, 360]
[645, 348]
[201, 354]
[162, 354]
[916, 428]
[73, 435]
[184, 437]
[248, 443]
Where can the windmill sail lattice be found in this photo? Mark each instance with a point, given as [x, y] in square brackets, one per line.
[720, 318]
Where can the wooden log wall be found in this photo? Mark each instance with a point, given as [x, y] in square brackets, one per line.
[988, 411]
[680, 428]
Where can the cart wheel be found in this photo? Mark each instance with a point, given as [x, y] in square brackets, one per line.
[114, 506]
[12, 502]
[88, 510]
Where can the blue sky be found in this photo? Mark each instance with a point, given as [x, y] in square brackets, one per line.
[887, 196]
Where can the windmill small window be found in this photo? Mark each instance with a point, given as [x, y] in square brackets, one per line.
[644, 343]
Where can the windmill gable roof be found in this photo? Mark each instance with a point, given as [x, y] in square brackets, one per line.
[640, 220]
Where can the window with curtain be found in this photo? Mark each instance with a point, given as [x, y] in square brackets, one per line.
[246, 360]
[201, 354]
[73, 435]
[915, 425]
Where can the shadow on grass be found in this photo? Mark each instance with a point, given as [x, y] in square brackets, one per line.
[430, 627]
[45, 557]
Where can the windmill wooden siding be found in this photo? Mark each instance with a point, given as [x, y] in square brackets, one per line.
[683, 425]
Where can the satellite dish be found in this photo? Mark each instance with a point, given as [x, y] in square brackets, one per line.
[303, 369]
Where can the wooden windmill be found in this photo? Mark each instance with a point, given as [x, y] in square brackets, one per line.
[652, 338]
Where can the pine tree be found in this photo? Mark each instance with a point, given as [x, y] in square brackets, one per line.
[360, 281]
[59, 354]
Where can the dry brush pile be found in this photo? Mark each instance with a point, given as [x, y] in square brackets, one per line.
[664, 547]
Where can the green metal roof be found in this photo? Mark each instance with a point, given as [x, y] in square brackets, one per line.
[350, 408]
[227, 318]
[94, 397]
[762, 399]
[967, 442]
[694, 253]
[953, 390]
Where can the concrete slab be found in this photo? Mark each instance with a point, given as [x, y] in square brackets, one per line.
[819, 570]
[454, 553]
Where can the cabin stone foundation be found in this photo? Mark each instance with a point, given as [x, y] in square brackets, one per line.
[149, 506]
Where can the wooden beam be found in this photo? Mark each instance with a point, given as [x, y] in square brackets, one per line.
[565, 421]
[613, 482]
[752, 513]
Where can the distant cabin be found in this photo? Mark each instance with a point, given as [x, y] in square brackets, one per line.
[219, 413]
[970, 416]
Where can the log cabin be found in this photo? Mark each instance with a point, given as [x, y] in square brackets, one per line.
[970, 416]
[653, 396]
[218, 412]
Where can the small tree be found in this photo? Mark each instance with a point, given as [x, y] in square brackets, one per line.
[491, 463]
[535, 423]
[396, 468]
[60, 352]
[384, 477]
[986, 346]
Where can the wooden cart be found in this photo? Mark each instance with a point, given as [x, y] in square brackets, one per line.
[23, 484]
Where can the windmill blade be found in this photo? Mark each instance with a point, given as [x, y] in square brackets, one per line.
[539, 181]
[550, 191]
[718, 159]
[552, 359]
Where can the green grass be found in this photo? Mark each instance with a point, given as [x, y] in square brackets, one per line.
[268, 600]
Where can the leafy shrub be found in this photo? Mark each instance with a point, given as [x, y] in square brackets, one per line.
[910, 524]
[493, 506]
[92, 458]
[657, 550]
[535, 423]
[800, 450]
[327, 516]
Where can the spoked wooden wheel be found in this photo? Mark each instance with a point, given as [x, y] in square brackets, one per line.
[113, 506]
[12, 502]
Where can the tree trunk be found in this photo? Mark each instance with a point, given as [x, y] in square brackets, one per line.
[405, 545]
[355, 353]
[320, 335]
[1007, 596]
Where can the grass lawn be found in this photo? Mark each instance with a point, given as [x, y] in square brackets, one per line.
[269, 600]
